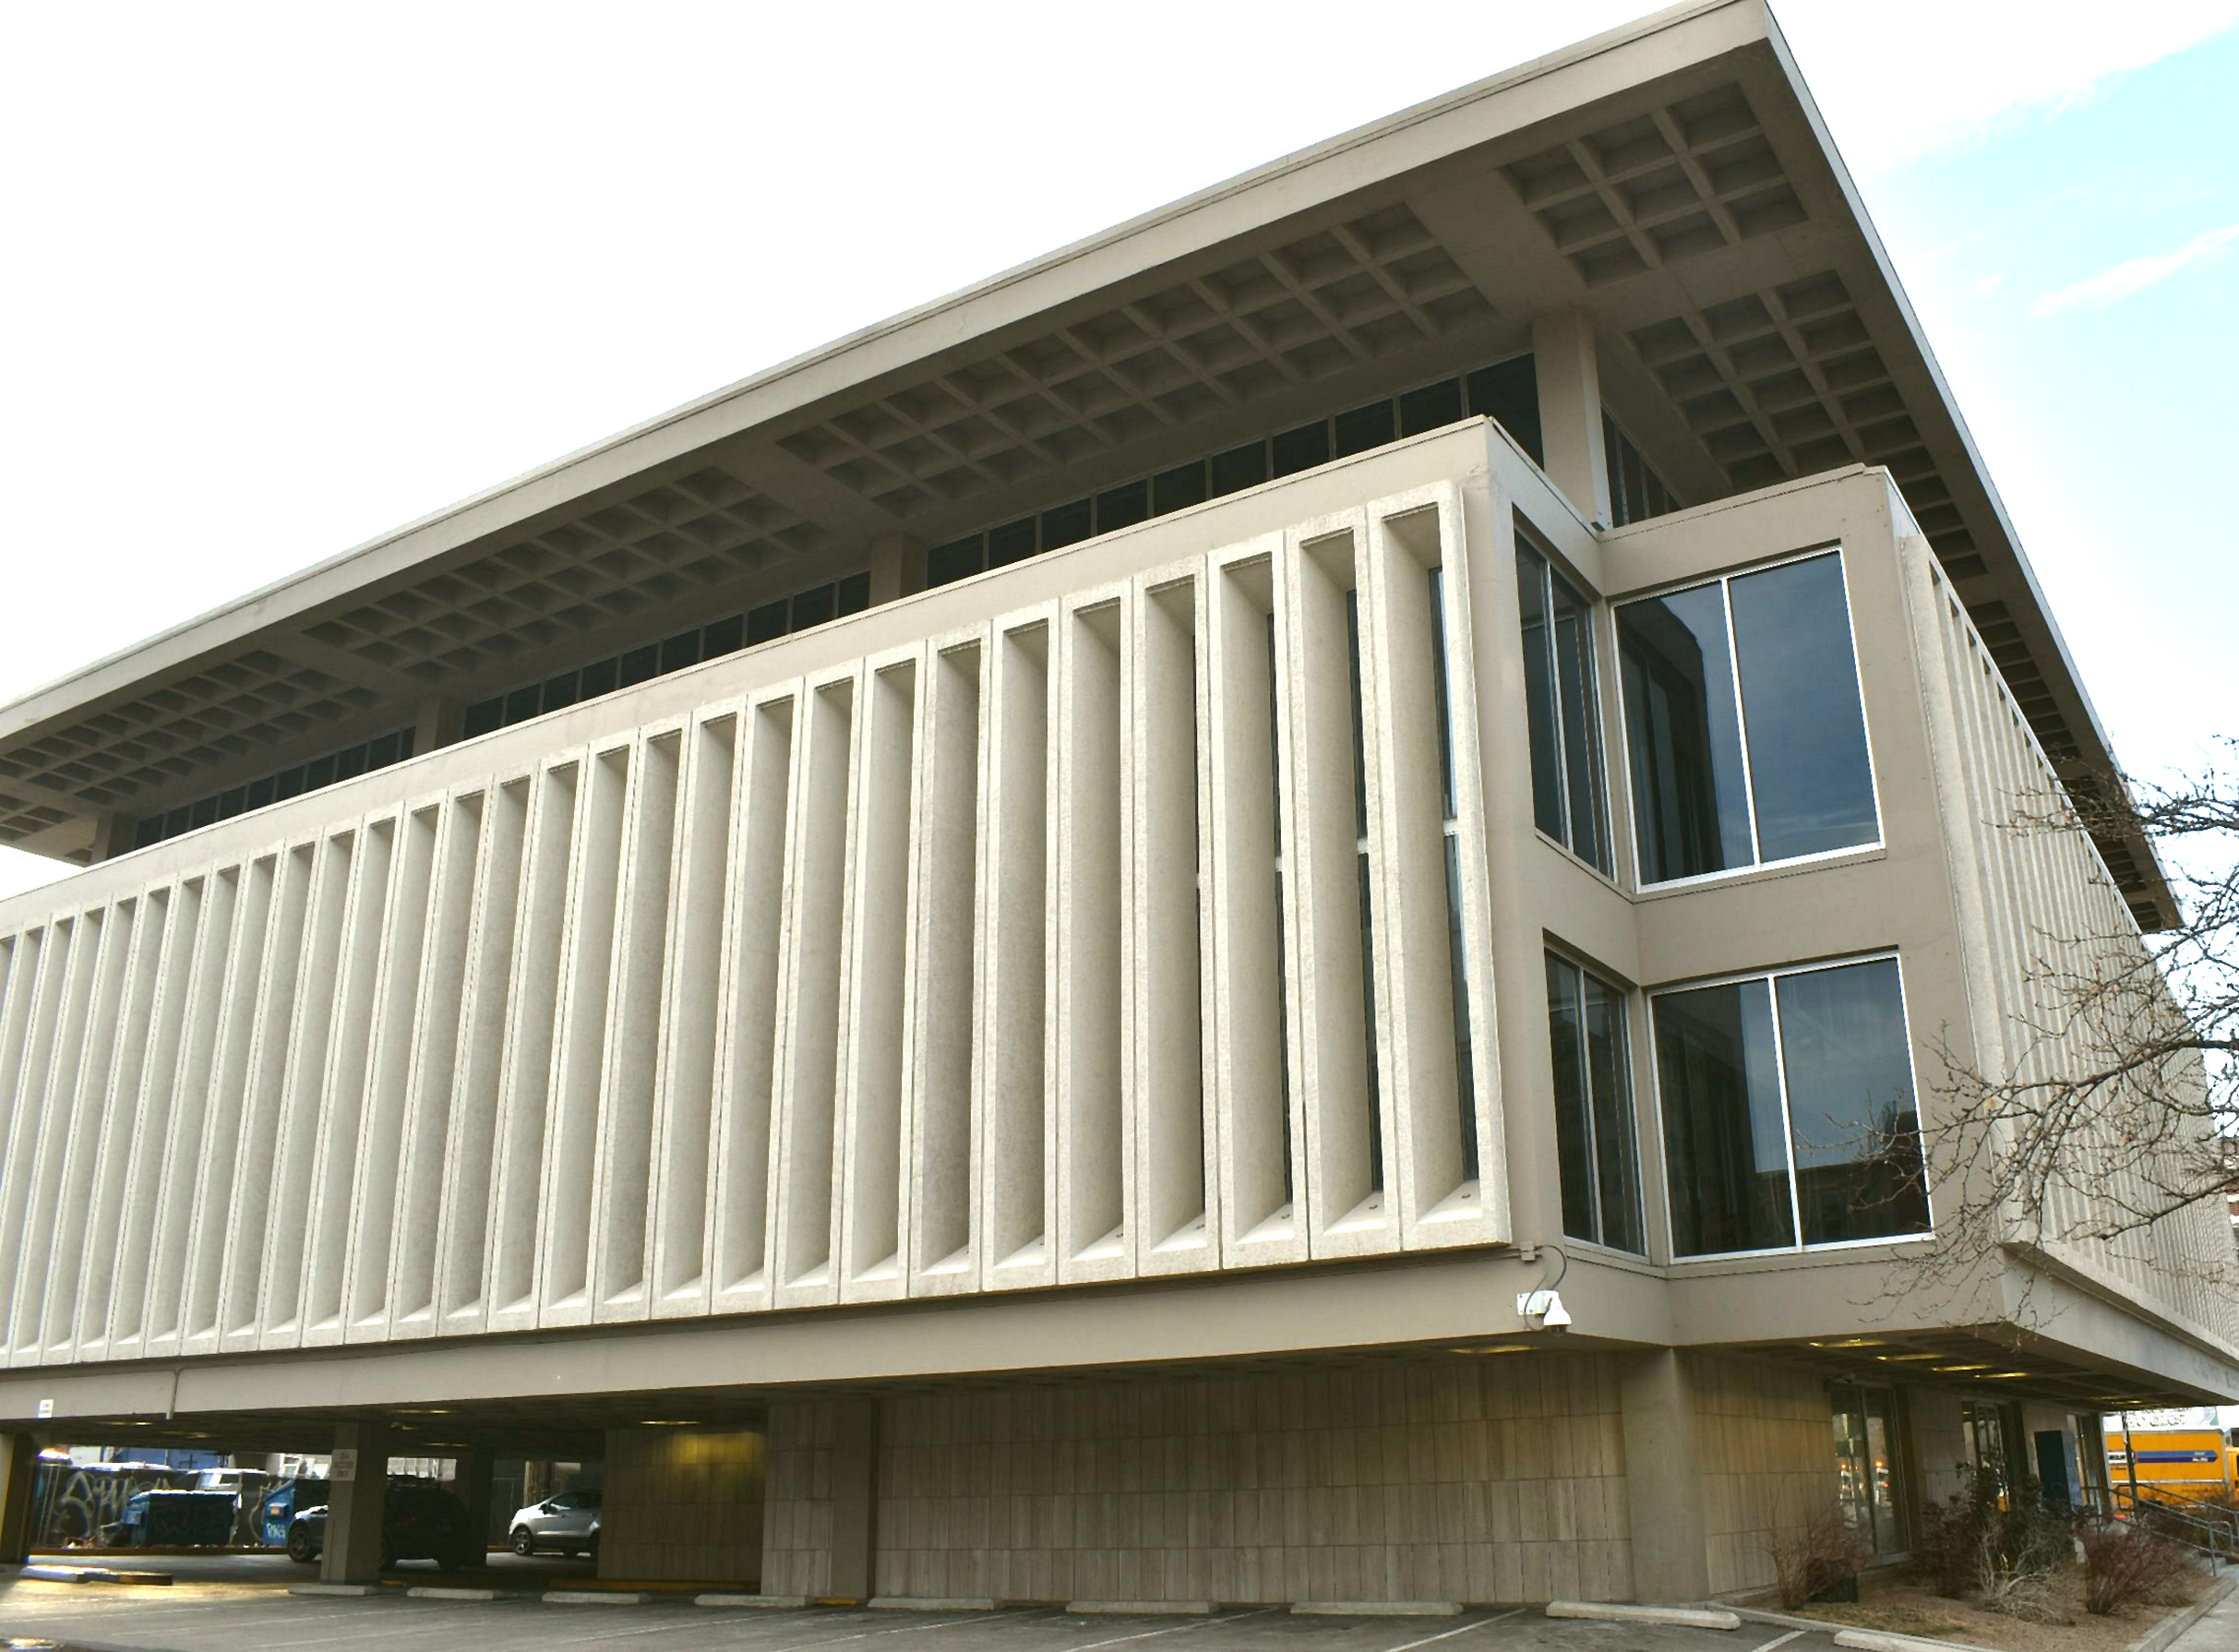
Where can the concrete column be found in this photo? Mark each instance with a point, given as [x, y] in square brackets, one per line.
[355, 1507]
[897, 567]
[436, 723]
[1663, 1478]
[475, 1473]
[1570, 410]
[18, 1463]
[855, 1500]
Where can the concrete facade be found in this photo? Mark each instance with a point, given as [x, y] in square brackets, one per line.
[1042, 1088]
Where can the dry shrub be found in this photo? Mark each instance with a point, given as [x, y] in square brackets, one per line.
[2123, 1564]
[1814, 1555]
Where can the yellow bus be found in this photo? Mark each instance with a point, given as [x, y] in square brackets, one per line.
[2174, 1465]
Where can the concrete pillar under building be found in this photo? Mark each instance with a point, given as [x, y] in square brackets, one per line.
[18, 1463]
[855, 1500]
[1570, 410]
[475, 1474]
[897, 567]
[355, 1506]
[1663, 1478]
[436, 723]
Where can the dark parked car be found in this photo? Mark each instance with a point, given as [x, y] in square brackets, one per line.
[569, 1523]
[423, 1522]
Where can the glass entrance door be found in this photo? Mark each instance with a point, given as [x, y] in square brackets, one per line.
[1865, 1455]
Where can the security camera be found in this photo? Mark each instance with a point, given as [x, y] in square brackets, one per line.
[1543, 1310]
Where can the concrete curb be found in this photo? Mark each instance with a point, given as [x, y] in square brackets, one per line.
[430, 1591]
[2157, 1638]
[773, 1603]
[1681, 1617]
[37, 1572]
[595, 1597]
[1882, 1640]
[927, 1603]
[1141, 1609]
[321, 1590]
[1377, 1609]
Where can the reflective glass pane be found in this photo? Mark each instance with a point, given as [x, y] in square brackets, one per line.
[1723, 1137]
[1689, 799]
[1849, 1100]
[1807, 735]
[1610, 1092]
[1576, 696]
[1573, 1137]
[1540, 693]
[1457, 959]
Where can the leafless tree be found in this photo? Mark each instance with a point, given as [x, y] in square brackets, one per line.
[2109, 1117]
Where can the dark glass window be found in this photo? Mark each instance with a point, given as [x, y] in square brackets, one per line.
[481, 717]
[601, 676]
[288, 783]
[317, 772]
[231, 802]
[767, 623]
[1810, 779]
[1179, 488]
[1237, 469]
[724, 637]
[1302, 449]
[382, 752]
[1434, 405]
[349, 762]
[640, 664]
[202, 813]
[1724, 1139]
[679, 652]
[1636, 492]
[1595, 1141]
[1786, 1095]
[1067, 524]
[1360, 428]
[1562, 701]
[1122, 507]
[147, 832]
[405, 737]
[1509, 392]
[561, 691]
[958, 559]
[177, 820]
[522, 704]
[260, 792]
[1727, 775]
[853, 597]
[813, 606]
[1458, 952]
[1014, 542]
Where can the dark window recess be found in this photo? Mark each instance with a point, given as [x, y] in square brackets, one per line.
[177, 820]
[1508, 392]
[1067, 525]
[726, 637]
[1361, 428]
[521, 704]
[319, 772]
[288, 783]
[853, 595]
[382, 752]
[1302, 449]
[560, 692]
[811, 607]
[601, 676]
[260, 792]
[766, 623]
[1122, 507]
[231, 802]
[677, 653]
[640, 665]
[1014, 542]
[482, 717]
[1179, 488]
[1636, 492]
[1237, 469]
[1431, 406]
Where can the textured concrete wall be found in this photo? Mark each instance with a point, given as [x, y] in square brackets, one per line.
[683, 1504]
[1477, 1479]
[1766, 1435]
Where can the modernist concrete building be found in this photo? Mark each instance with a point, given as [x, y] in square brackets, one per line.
[985, 962]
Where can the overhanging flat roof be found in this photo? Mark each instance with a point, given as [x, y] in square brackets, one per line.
[1672, 180]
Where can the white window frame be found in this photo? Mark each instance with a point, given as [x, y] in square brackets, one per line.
[1772, 977]
[1724, 579]
[1626, 995]
[1530, 538]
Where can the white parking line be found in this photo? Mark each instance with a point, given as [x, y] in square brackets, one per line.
[1144, 1635]
[1780, 1640]
[1448, 1633]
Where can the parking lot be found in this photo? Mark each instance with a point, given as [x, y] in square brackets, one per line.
[233, 1612]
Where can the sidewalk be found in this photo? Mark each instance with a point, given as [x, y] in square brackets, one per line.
[2218, 1632]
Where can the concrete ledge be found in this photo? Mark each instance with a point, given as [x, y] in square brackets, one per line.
[1377, 1609]
[925, 1603]
[596, 1597]
[318, 1589]
[429, 1591]
[1878, 1640]
[775, 1602]
[1681, 1617]
[1141, 1609]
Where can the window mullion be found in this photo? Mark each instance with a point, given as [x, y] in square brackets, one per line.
[1740, 723]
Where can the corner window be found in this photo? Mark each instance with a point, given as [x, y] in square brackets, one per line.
[1594, 1138]
[1787, 1110]
[1744, 729]
[1568, 799]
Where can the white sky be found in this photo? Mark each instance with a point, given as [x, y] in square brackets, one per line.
[279, 278]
